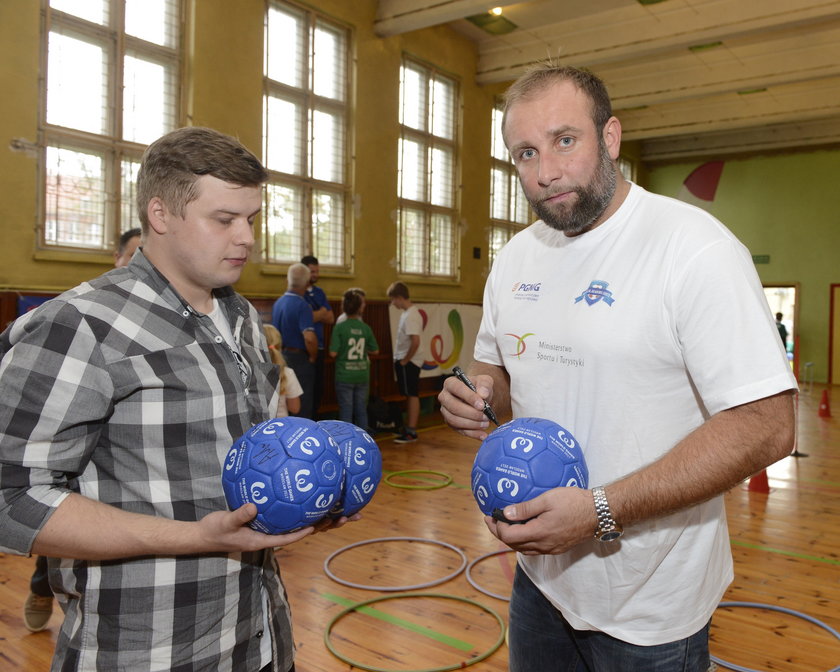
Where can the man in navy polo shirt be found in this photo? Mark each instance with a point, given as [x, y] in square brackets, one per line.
[292, 316]
[322, 313]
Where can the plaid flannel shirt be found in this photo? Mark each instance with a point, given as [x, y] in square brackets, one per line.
[120, 391]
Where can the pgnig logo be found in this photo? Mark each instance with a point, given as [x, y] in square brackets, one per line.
[526, 286]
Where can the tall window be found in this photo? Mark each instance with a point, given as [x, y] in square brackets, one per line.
[427, 240]
[509, 210]
[305, 134]
[111, 87]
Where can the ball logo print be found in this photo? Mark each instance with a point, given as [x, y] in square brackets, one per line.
[300, 480]
[290, 469]
[523, 459]
[257, 495]
[520, 442]
[362, 463]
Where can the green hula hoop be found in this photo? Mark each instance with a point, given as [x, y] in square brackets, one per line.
[435, 486]
[456, 666]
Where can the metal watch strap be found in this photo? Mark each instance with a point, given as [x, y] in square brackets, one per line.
[608, 529]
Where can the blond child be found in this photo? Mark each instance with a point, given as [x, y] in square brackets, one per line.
[289, 387]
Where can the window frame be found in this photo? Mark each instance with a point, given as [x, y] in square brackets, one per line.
[303, 182]
[503, 227]
[110, 144]
[429, 210]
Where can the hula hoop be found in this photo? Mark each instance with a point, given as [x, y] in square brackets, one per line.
[394, 588]
[435, 486]
[457, 666]
[505, 598]
[783, 610]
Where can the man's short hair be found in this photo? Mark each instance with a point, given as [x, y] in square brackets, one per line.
[298, 276]
[126, 237]
[172, 164]
[309, 260]
[351, 304]
[398, 289]
[541, 75]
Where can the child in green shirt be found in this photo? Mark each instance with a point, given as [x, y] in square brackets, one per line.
[351, 342]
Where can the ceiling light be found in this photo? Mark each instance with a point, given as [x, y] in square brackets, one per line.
[496, 11]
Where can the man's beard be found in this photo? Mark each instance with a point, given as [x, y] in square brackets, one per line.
[592, 200]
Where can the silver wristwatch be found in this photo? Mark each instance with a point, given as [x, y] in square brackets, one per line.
[608, 529]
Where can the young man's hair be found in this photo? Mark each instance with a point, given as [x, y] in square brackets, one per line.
[126, 237]
[398, 289]
[309, 260]
[543, 74]
[172, 164]
[351, 304]
[358, 290]
[298, 276]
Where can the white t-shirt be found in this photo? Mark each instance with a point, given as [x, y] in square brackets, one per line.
[293, 390]
[630, 336]
[411, 324]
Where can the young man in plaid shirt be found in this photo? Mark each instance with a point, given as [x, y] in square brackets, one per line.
[118, 402]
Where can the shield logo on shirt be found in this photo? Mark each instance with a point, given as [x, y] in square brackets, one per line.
[597, 291]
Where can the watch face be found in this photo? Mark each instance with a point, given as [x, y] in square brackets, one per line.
[610, 536]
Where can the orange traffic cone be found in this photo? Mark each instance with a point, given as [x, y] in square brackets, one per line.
[758, 482]
[825, 411]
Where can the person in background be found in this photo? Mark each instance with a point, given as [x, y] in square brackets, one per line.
[289, 387]
[128, 244]
[606, 316]
[292, 317]
[351, 342]
[343, 315]
[322, 313]
[38, 606]
[119, 402]
[783, 334]
[408, 359]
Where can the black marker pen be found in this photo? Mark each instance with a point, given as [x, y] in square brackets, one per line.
[459, 373]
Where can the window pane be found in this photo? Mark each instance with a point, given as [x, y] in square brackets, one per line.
[128, 195]
[284, 125]
[441, 245]
[148, 100]
[282, 223]
[75, 198]
[520, 203]
[498, 237]
[77, 84]
[412, 170]
[412, 241]
[413, 98]
[285, 47]
[329, 68]
[499, 194]
[328, 227]
[442, 177]
[443, 109]
[155, 21]
[327, 155]
[95, 11]
[497, 141]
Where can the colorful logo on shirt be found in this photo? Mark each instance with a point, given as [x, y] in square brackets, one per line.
[436, 342]
[520, 344]
[597, 291]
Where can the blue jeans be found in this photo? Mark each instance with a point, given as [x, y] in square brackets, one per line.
[541, 639]
[352, 403]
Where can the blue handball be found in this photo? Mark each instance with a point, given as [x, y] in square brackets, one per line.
[523, 459]
[362, 466]
[290, 468]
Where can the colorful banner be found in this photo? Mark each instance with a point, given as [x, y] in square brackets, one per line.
[448, 338]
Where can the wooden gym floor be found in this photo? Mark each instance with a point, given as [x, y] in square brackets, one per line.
[785, 543]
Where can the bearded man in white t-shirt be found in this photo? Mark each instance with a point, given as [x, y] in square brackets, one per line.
[639, 324]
